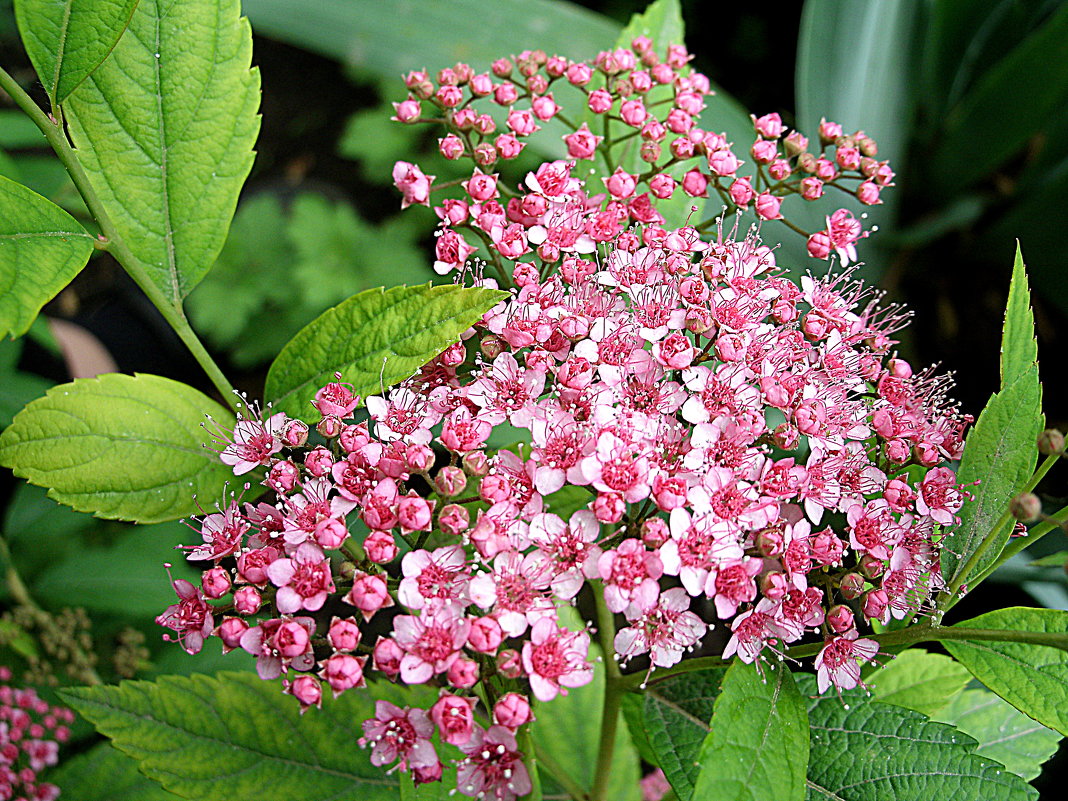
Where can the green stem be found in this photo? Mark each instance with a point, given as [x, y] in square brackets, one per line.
[1051, 523]
[526, 745]
[613, 696]
[560, 776]
[170, 308]
[909, 636]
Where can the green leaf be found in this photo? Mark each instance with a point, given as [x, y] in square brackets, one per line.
[1033, 678]
[137, 585]
[999, 458]
[165, 129]
[920, 681]
[105, 774]
[1059, 559]
[66, 40]
[16, 387]
[758, 746]
[41, 249]
[676, 712]
[863, 750]
[661, 22]
[994, 120]
[1003, 733]
[197, 734]
[438, 32]
[127, 447]
[1019, 348]
[374, 339]
[568, 728]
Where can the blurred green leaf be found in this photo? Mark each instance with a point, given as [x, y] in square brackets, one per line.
[374, 339]
[19, 131]
[42, 248]
[129, 447]
[1059, 559]
[758, 744]
[16, 387]
[66, 41]
[995, 120]
[165, 129]
[1033, 678]
[1003, 733]
[438, 30]
[921, 681]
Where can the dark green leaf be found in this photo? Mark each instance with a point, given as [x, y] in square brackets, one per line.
[863, 750]
[758, 746]
[41, 249]
[1019, 348]
[1033, 678]
[374, 339]
[676, 713]
[438, 32]
[67, 40]
[1059, 559]
[127, 447]
[920, 681]
[16, 387]
[1003, 732]
[105, 774]
[165, 129]
[197, 734]
[1000, 454]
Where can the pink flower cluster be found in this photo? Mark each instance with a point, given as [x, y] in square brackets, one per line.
[554, 216]
[30, 734]
[700, 439]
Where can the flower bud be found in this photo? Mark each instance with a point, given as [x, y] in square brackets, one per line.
[1050, 441]
[486, 635]
[283, 476]
[306, 689]
[876, 606]
[774, 585]
[475, 463]
[454, 520]
[770, 543]
[462, 673]
[387, 656]
[343, 672]
[509, 664]
[655, 532]
[330, 426]
[419, 458]
[215, 582]
[296, 434]
[319, 460]
[427, 774]
[609, 507]
[247, 601]
[453, 717]
[485, 154]
[451, 147]
[491, 346]
[291, 639]
[1025, 507]
[851, 586]
[840, 619]
[344, 634]
[512, 711]
[380, 547]
[795, 144]
[230, 631]
[369, 593]
[871, 567]
[450, 481]
[786, 436]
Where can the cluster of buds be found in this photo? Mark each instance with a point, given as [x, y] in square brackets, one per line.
[702, 440]
[631, 96]
[31, 731]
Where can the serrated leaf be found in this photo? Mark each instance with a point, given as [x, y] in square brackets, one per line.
[1003, 732]
[864, 750]
[198, 734]
[920, 681]
[1033, 678]
[374, 339]
[105, 774]
[67, 40]
[677, 712]
[568, 730]
[126, 447]
[42, 248]
[165, 129]
[1019, 348]
[1000, 454]
[661, 21]
[758, 746]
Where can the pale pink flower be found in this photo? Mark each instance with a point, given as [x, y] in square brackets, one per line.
[555, 658]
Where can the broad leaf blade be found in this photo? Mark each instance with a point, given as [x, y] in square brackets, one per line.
[127, 447]
[677, 712]
[1003, 732]
[197, 734]
[920, 681]
[105, 774]
[863, 750]
[758, 746]
[1033, 678]
[1000, 454]
[67, 40]
[1019, 348]
[165, 129]
[42, 248]
[374, 339]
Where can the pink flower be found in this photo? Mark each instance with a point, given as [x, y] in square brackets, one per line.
[399, 735]
[492, 766]
[431, 642]
[838, 662]
[440, 575]
[191, 617]
[254, 443]
[664, 629]
[453, 717]
[412, 183]
[304, 581]
[555, 658]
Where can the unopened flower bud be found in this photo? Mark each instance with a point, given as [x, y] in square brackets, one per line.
[509, 664]
[829, 131]
[867, 146]
[450, 481]
[296, 434]
[655, 532]
[453, 717]
[330, 426]
[512, 711]
[230, 631]
[485, 154]
[649, 152]
[491, 346]
[1025, 507]
[774, 585]
[502, 68]
[851, 586]
[387, 656]
[840, 619]
[306, 689]
[215, 582]
[779, 169]
[415, 513]
[609, 507]
[463, 673]
[786, 436]
[876, 606]
[369, 593]
[451, 147]
[770, 543]
[475, 463]
[380, 547]
[871, 567]
[494, 489]
[806, 162]
[419, 458]
[344, 634]
[454, 520]
[319, 460]
[1050, 441]
[343, 672]
[247, 601]
[283, 476]
[485, 635]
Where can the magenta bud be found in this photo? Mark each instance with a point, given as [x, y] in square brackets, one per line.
[475, 463]
[247, 601]
[387, 656]
[230, 631]
[450, 481]
[344, 634]
[486, 635]
[655, 532]
[454, 719]
[509, 664]
[419, 458]
[851, 586]
[609, 507]
[308, 690]
[215, 582]
[462, 673]
[1050, 441]
[283, 476]
[454, 520]
[871, 567]
[319, 460]
[296, 434]
[330, 426]
[512, 711]
[770, 543]
[840, 619]
[343, 672]
[380, 547]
